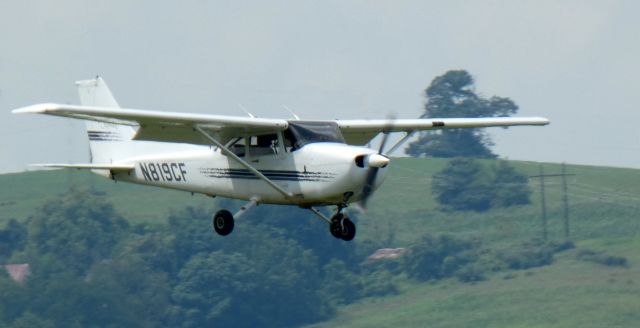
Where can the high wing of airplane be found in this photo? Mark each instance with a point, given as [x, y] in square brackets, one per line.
[263, 161]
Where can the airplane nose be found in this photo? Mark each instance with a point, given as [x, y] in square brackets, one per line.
[377, 160]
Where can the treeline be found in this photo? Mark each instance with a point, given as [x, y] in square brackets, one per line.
[91, 268]
[440, 256]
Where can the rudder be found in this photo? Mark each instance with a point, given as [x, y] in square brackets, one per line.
[106, 140]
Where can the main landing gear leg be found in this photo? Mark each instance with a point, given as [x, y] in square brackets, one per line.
[223, 222]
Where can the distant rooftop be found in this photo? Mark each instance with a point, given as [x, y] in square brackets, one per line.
[18, 272]
[386, 253]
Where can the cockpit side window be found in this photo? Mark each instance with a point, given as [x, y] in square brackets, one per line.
[263, 145]
[267, 144]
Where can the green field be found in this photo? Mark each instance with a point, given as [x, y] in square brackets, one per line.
[604, 212]
[567, 294]
[22, 193]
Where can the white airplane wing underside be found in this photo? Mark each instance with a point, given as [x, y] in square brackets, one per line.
[180, 127]
[359, 132]
[165, 126]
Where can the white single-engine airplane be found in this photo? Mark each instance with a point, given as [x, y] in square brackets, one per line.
[270, 161]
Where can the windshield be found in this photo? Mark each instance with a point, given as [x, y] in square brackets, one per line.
[301, 133]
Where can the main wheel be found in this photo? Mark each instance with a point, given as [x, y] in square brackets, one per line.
[223, 222]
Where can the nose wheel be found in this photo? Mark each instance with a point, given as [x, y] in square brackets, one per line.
[342, 227]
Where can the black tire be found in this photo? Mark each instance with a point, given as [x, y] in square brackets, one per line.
[335, 227]
[342, 228]
[223, 222]
[348, 231]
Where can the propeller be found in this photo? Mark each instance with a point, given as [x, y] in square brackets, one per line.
[374, 162]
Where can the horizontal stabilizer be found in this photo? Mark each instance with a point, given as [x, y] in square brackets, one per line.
[112, 167]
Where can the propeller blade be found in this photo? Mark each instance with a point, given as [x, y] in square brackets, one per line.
[367, 190]
[385, 137]
[375, 163]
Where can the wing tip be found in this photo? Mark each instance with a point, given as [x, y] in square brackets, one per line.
[90, 82]
[543, 120]
[39, 108]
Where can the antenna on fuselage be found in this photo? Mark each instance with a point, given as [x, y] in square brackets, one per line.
[246, 111]
[292, 113]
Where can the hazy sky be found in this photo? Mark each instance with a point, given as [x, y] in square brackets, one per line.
[575, 62]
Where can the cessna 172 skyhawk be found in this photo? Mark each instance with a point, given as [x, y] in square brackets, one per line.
[270, 161]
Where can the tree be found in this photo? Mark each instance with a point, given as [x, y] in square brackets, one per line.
[340, 285]
[268, 285]
[72, 233]
[439, 256]
[12, 238]
[463, 185]
[217, 289]
[13, 299]
[128, 287]
[191, 234]
[30, 320]
[310, 233]
[452, 95]
[510, 186]
[466, 185]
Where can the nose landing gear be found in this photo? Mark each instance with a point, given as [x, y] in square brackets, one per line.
[342, 227]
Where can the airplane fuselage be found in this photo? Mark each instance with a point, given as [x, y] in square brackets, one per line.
[316, 174]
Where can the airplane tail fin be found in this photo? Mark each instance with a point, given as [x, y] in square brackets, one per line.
[107, 141]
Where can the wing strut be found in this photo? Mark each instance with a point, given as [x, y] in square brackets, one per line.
[251, 169]
[400, 142]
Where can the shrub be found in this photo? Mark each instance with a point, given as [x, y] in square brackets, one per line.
[603, 258]
[471, 273]
[529, 255]
[378, 284]
[439, 256]
[560, 246]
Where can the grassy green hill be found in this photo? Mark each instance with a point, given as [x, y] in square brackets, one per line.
[604, 203]
[567, 294]
[22, 193]
[604, 211]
